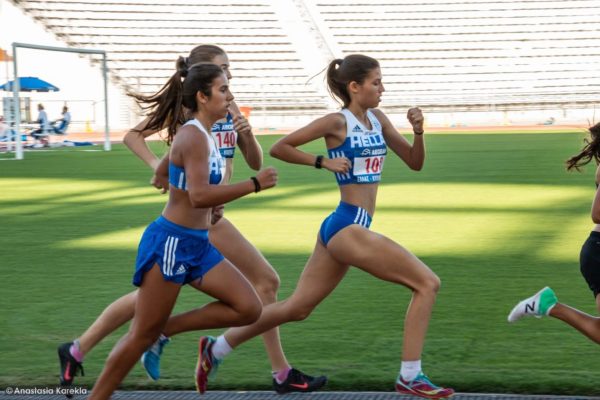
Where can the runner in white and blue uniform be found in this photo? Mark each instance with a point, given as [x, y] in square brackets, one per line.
[545, 302]
[231, 131]
[365, 149]
[175, 249]
[357, 140]
[216, 163]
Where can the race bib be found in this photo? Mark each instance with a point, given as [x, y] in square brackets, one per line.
[368, 169]
[226, 143]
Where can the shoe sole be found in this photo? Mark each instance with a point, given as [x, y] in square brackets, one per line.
[64, 362]
[142, 360]
[283, 390]
[512, 316]
[406, 391]
[62, 383]
[424, 396]
[199, 371]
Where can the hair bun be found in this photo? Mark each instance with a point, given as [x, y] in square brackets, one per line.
[181, 66]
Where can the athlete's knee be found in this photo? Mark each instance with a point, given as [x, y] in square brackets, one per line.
[431, 284]
[267, 287]
[145, 338]
[299, 312]
[248, 311]
[434, 283]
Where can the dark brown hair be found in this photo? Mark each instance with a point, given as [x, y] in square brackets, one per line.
[590, 151]
[164, 107]
[353, 68]
[167, 106]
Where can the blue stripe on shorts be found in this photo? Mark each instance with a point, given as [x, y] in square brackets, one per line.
[344, 215]
[183, 254]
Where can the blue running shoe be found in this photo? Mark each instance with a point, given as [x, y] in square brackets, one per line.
[151, 358]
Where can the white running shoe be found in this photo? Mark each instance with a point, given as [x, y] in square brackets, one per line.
[538, 305]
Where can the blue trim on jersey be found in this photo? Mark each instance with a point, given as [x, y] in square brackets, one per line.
[344, 215]
[177, 176]
[366, 150]
[216, 163]
[223, 129]
[178, 179]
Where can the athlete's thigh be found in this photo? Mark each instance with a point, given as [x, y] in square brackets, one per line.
[155, 300]
[320, 276]
[379, 256]
[225, 283]
[237, 249]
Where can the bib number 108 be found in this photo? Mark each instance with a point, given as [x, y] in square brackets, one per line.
[373, 165]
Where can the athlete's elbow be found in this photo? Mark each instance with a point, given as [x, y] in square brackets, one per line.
[275, 151]
[201, 200]
[255, 164]
[596, 216]
[417, 166]
[128, 138]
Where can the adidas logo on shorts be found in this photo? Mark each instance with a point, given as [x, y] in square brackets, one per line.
[180, 270]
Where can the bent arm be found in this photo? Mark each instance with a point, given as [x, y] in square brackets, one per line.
[135, 140]
[286, 148]
[195, 155]
[247, 142]
[413, 154]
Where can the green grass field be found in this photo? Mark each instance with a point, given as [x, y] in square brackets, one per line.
[496, 216]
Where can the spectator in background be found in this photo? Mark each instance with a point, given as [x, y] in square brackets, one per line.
[3, 127]
[41, 133]
[63, 123]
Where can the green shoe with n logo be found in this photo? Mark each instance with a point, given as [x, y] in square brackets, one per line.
[538, 305]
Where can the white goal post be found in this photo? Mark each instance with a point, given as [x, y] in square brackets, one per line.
[16, 89]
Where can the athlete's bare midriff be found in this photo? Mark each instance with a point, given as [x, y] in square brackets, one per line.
[361, 195]
[179, 210]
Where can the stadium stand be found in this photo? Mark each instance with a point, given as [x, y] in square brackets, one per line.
[452, 55]
[475, 53]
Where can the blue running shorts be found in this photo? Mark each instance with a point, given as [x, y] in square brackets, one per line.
[344, 215]
[183, 254]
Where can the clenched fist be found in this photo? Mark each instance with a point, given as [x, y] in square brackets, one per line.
[241, 125]
[339, 164]
[416, 119]
[267, 178]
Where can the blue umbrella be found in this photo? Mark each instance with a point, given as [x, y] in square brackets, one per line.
[31, 84]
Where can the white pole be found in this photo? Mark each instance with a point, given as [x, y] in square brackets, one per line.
[17, 105]
[106, 130]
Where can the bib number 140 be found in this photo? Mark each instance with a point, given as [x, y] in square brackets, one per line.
[226, 139]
